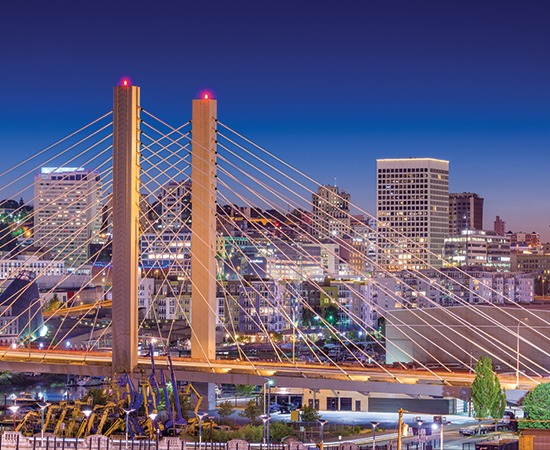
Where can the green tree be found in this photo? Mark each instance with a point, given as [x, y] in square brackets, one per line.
[251, 411]
[488, 397]
[250, 433]
[536, 405]
[225, 409]
[245, 390]
[280, 430]
[310, 414]
[54, 304]
[185, 405]
[97, 396]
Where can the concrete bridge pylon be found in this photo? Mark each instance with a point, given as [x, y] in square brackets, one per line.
[125, 275]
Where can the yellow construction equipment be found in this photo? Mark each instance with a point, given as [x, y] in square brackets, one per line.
[30, 420]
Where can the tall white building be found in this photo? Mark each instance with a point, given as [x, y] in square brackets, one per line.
[330, 213]
[67, 212]
[413, 212]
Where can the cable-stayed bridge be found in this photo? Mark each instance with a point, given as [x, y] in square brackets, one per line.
[197, 238]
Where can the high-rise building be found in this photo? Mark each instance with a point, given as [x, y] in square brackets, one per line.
[413, 212]
[175, 205]
[330, 213]
[465, 213]
[67, 212]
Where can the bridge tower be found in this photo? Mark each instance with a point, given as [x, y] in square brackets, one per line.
[203, 235]
[126, 170]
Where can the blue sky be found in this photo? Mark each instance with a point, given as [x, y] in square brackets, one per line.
[330, 86]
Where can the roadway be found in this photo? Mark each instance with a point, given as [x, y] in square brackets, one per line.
[350, 377]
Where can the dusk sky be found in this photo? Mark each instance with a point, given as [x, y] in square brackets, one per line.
[330, 86]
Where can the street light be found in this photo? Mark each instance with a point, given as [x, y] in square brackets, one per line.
[127, 411]
[265, 419]
[14, 409]
[153, 416]
[419, 421]
[42, 406]
[441, 425]
[201, 417]
[322, 422]
[267, 405]
[374, 425]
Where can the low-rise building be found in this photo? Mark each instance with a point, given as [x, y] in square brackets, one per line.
[477, 248]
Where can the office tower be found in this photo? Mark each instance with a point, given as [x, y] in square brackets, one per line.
[413, 212]
[67, 212]
[330, 213]
[499, 226]
[465, 213]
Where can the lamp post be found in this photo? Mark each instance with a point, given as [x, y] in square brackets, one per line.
[374, 425]
[419, 421]
[441, 425]
[42, 406]
[267, 405]
[201, 417]
[14, 409]
[127, 411]
[87, 413]
[153, 416]
[265, 419]
[322, 422]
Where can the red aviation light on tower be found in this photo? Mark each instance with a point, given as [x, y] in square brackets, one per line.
[206, 95]
[125, 82]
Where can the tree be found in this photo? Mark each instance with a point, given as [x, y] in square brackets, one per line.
[488, 397]
[96, 396]
[251, 411]
[225, 409]
[245, 390]
[536, 405]
[310, 414]
[54, 304]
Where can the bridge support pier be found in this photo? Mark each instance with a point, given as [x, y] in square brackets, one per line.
[204, 307]
[126, 129]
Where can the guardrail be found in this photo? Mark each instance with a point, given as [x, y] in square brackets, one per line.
[10, 440]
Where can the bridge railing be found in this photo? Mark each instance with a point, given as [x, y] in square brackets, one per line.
[10, 440]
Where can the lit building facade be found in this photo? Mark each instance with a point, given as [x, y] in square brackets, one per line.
[330, 213]
[67, 207]
[477, 248]
[11, 267]
[413, 212]
[450, 287]
[175, 205]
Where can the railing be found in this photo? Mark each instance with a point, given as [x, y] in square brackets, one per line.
[10, 440]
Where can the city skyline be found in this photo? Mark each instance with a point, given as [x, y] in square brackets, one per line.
[463, 82]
